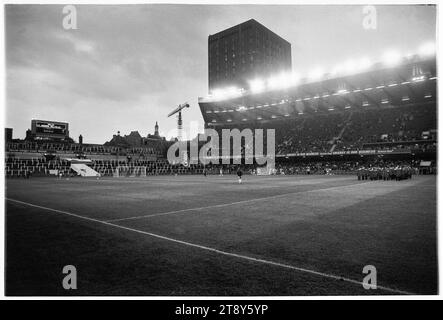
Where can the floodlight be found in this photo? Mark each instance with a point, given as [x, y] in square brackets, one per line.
[257, 85]
[337, 69]
[281, 81]
[363, 63]
[350, 66]
[391, 58]
[316, 73]
[294, 78]
[229, 92]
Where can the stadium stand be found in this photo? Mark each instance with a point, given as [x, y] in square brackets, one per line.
[16, 167]
[398, 124]
[80, 148]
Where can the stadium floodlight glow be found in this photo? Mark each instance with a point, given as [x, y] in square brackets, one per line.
[276, 82]
[217, 93]
[316, 74]
[282, 81]
[294, 78]
[427, 49]
[363, 64]
[350, 66]
[337, 69]
[257, 85]
[391, 58]
[229, 92]
[232, 91]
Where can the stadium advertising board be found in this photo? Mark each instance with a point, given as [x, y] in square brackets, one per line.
[49, 129]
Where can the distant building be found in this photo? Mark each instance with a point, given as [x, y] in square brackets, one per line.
[134, 139]
[156, 134]
[8, 134]
[117, 141]
[244, 52]
[156, 130]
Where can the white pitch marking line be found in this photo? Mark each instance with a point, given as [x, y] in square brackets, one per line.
[227, 204]
[229, 254]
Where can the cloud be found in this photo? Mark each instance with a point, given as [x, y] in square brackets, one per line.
[79, 45]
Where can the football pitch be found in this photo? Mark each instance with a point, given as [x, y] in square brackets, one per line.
[197, 236]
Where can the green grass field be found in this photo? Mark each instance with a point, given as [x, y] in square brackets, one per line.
[191, 235]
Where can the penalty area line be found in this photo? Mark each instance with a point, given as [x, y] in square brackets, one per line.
[214, 250]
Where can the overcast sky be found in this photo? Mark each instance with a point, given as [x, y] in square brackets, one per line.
[127, 66]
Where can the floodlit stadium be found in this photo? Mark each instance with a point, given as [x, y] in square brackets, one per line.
[352, 184]
[350, 91]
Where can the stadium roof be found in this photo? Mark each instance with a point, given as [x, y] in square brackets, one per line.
[411, 80]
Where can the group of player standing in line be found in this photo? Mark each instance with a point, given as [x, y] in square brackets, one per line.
[385, 173]
[373, 173]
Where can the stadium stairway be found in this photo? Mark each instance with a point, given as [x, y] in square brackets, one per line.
[346, 123]
[83, 170]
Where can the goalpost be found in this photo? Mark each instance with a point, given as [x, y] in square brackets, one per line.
[129, 171]
[266, 171]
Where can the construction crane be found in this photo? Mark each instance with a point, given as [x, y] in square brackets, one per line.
[179, 118]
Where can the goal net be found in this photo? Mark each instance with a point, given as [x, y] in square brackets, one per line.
[130, 171]
[265, 171]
